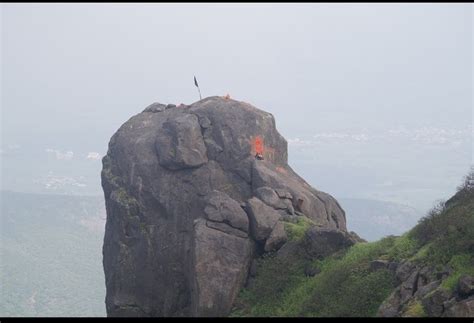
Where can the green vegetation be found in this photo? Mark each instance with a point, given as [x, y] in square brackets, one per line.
[125, 199]
[415, 309]
[108, 172]
[296, 231]
[461, 264]
[345, 285]
[449, 227]
[446, 234]
[403, 247]
[276, 276]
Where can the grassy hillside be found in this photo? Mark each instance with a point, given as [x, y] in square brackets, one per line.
[346, 286]
[51, 257]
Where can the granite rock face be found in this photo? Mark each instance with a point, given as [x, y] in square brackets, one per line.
[423, 285]
[321, 242]
[189, 206]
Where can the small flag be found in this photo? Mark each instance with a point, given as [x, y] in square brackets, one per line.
[197, 85]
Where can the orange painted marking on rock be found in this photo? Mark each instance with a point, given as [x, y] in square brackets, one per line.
[258, 145]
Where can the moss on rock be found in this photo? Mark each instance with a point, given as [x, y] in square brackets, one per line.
[296, 231]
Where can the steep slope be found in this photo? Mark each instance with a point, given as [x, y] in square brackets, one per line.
[193, 194]
[436, 275]
[428, 271]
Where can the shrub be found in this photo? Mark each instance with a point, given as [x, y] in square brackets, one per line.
[468, 182]
[415, 309]
[296, 231]
[403, 247]
[429, 226]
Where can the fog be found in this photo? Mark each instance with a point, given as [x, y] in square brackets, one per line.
[374, 99]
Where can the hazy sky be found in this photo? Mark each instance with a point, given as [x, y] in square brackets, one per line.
[73, 73]
[375, 100]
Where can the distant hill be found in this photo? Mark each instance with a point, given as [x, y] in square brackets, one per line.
[373, 219]
[51, 252]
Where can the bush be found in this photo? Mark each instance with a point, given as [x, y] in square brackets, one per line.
[275, 277]
[468, 182]
[403, 247]
[415, 309]
[348, 289]
[296, 231]
[430, 226]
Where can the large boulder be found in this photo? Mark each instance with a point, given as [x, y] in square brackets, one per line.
[433, 303]
[189, 206]
[408, 287]
[466, 285]
[270, 197]
[179, 143]
[463, 308]
[262, 219]
[277, 238]
[321, 242]
[221, 208]
[221, 261]
[404, 271]
[378, 264]
[391, 306]
[422, 285]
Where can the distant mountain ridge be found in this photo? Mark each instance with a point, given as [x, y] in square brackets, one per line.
[375, 219]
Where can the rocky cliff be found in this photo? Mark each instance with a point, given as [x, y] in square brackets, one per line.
[189, 205]
[420, 292]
